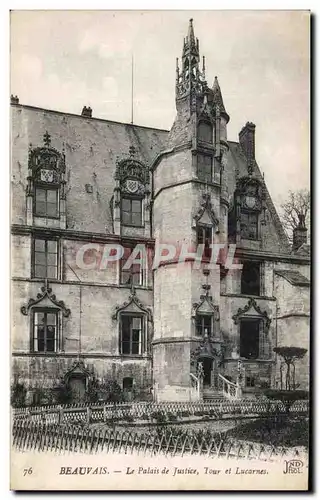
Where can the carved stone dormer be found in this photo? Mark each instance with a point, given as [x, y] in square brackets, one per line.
[46, 194]
[132, 190]
[249, 208]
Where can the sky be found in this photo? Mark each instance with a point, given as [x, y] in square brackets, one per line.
[63, 60]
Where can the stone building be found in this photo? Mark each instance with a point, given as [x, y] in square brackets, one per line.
[82, 186]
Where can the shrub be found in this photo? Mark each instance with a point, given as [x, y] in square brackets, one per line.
[287, 397]
[159, 416]
[172, 417]
[62, 393]
[185, 413]
[110, 391]
[18, 394]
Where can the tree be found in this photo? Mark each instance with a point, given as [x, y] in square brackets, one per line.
[295, 209]
[289, 355]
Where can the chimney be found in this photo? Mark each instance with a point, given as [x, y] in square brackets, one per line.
[87, 112]
[247, 141]
[299, 233]
[14, 99]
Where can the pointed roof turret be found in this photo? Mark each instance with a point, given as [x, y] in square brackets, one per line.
[191, 43]
[217, 97]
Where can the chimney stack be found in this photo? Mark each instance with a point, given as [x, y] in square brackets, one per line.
[14, 99]
[299, 233]
[247, 141]
[87, 112]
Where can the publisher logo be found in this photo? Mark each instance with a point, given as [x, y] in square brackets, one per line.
[293, 467]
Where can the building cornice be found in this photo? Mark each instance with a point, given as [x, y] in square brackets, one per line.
[71, 234]
[265, 255]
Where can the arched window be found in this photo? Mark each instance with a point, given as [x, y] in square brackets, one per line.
[205, 132]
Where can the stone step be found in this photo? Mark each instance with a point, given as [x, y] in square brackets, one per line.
[210, 394]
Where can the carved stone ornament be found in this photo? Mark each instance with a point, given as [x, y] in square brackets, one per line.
[46, 163]
[46, 292]
[78, 368]
[207, 349]
[134, 170]
[252, 304]
[133, 301]
[206, 304]
[251, 194]
[206, 206]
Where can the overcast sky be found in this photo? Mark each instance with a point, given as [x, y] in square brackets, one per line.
[64, 60]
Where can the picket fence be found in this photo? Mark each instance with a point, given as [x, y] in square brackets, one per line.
[73, 439]
[146, 411]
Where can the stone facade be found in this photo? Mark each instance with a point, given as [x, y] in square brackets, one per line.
[187, 182]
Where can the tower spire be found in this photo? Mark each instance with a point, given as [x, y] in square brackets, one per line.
[191, 78]
[191, 43]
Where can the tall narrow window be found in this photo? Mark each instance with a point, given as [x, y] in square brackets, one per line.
[204, 237]
[204, 167]
[205, 132]
[131, 211]
[45, 258]
[203, 325]
[133, 274]
[46, 202]
[249, 338]
[44, 331]
[250, 278]
[131, 334]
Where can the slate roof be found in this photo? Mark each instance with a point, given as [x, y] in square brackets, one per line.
[294, 277]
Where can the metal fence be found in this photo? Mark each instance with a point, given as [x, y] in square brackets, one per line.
[73, 439]
[95, 413]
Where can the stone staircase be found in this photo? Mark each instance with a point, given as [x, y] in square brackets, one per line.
[209, 393]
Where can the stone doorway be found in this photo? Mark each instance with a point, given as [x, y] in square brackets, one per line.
[207, 371]
[77, 386]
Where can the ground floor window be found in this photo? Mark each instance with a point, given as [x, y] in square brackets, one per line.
[250, 382]
[127, 384]
[131, 333]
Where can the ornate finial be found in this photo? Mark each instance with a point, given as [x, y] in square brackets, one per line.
[47, 139]
[132, 151]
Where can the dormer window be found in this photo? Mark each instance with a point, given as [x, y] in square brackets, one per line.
[46, 201]
[130, 202]
[249, 202]
[46, 186]
[131, 211]
[249, 225]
